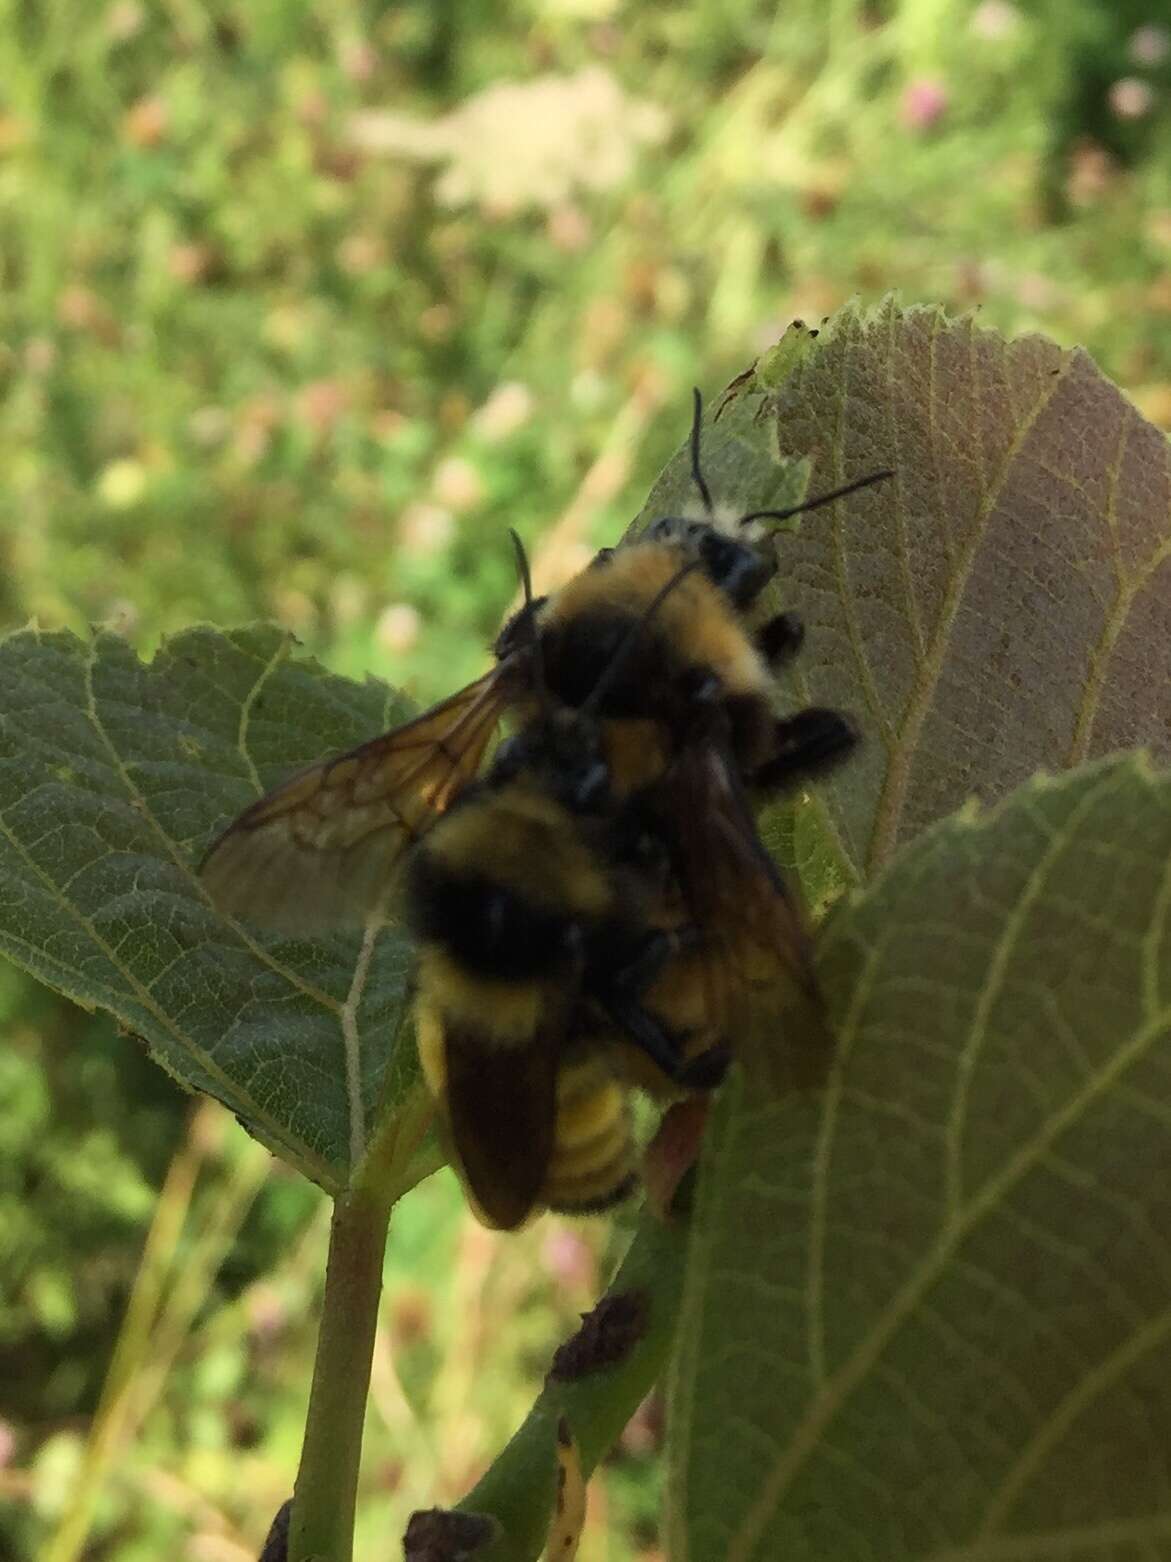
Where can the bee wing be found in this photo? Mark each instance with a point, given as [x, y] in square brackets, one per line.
[757, 956]
[321, 849]
[501, 1109]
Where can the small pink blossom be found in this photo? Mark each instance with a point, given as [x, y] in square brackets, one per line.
[567, 1257]
[924, 103]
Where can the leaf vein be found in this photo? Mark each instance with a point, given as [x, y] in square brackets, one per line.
[903, 1304]
[893, 795]
[246, 704]
[140, 803]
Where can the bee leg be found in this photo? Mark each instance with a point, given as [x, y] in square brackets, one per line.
[631, 980]
[779, 640]
[706, 1070]
[700, 1073]
[804, 745]
[639, 839]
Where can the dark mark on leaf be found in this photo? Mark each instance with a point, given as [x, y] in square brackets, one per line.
[276, 1542]
[443, 1535]
[607, 1335]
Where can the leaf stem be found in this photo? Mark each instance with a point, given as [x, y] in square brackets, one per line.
[518, 1489]
[322, 1525]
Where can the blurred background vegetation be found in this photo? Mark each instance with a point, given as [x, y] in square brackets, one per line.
[303, 303]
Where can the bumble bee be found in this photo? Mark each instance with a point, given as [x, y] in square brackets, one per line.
[344, 826]
[554, 969]
[692, 735]
[703, 676]
[538, 928]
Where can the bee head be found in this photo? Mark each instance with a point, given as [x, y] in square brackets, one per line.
[734, 566]
[739, 565]
[520, 630]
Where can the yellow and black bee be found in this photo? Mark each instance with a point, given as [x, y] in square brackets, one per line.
[599, 909]
[702, 683]
[539, 920]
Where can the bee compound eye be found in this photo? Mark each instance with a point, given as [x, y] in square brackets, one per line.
[737, 569]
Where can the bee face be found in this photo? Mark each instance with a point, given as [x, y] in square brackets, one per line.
[732, 565]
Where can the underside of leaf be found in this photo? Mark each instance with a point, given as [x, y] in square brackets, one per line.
[928, 1309]
[1003, 604]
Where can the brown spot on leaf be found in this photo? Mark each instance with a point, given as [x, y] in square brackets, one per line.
[607, 1335]
[445, 1535]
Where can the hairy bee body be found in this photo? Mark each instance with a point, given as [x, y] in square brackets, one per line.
[700, 677]
[597, 912]
[534, 941]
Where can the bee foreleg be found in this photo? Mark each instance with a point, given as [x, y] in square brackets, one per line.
[780, 638]
[804, 745]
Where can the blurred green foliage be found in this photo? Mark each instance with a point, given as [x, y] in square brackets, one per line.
[302, 305]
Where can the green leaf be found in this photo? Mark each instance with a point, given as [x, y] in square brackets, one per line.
[1003, 604]
[927, 1311]
[114, 776]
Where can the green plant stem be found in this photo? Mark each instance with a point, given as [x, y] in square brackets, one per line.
[322, 1525]
[518, 1489]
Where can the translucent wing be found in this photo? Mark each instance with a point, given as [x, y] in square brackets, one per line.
[321, 850]
[501, 1107]
[760, 991]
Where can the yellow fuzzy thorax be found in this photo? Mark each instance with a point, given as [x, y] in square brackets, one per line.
[695, 617]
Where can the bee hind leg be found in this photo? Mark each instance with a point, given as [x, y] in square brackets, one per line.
[653, 954]
[703, 1072]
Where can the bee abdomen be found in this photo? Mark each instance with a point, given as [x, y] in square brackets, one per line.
[594, 1162]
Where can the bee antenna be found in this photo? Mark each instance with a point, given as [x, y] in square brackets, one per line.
[697, 476]
[630, 640]
[530, 619]
[820, 499]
